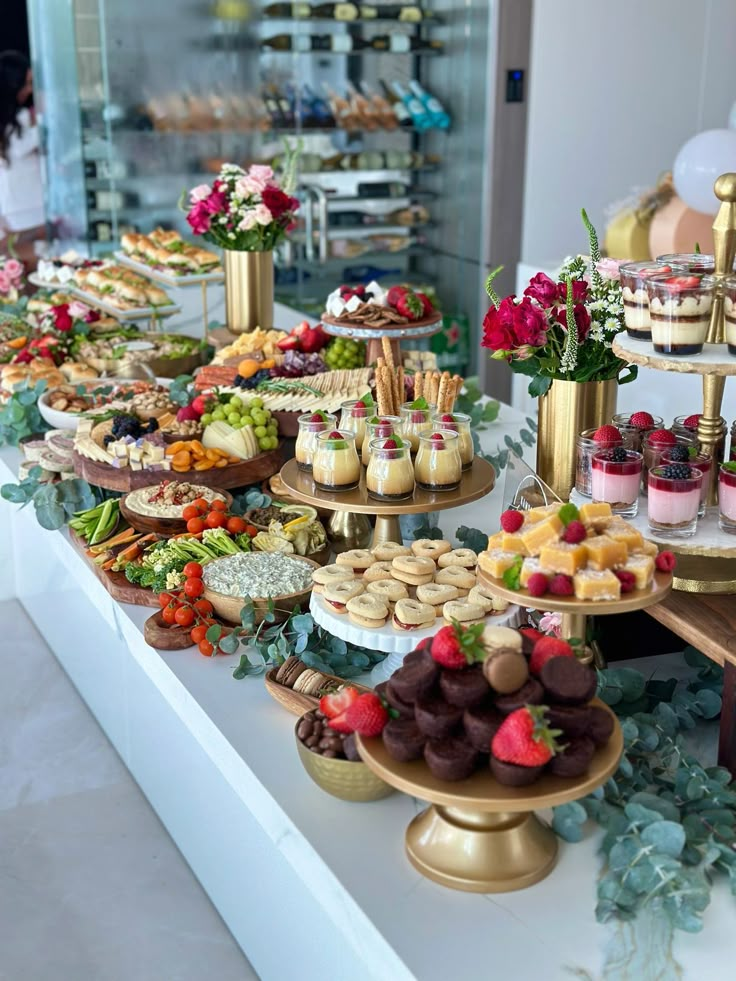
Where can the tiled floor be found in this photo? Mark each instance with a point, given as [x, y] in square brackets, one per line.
[91, 886]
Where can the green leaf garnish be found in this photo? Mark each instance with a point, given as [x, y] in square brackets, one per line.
[367, 399]
[730, 466]
[692, 452]
[567, 513]
[511, 575]
[421, 403]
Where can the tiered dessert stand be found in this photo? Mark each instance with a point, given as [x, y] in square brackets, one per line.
[707, 562]
[412, 332]
[479, 835]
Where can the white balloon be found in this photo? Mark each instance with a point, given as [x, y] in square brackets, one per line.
[732, 117]
[699, 163]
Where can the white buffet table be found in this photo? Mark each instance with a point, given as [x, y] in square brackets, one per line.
[310, 886]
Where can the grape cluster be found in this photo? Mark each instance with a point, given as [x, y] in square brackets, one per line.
[345, 352]
[677, 471]
[125, 425]
[296, 364]
[679, 454]
[237, 412]
[253, 381]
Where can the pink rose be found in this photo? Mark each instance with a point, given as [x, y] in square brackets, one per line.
[582, 319]
[199, 218]
[262, 215]
[579, 291]
[260, 172]
[608, 268]
[216, 203]
[542, 289]
[78, 310]
[14, 269]
[5, 282]
[199, 193]
[247, 222]
[530, 324]
[248, 186]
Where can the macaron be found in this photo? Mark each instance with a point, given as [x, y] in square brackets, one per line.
[379, 570]
[464, 612]
[329, 575]
[357, 559]
[290, 671]
[387, 551]
[337, 596]
[496, 639]
[410, 614]
[309, 682]
[466, 558]
[367, 611]
[412, 569]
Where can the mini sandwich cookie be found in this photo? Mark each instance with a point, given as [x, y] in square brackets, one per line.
[309, 682]
[436, 594]
[464, 612]
[379, 570]
[289, 671]
[410, 614]
[389, 590]
[466, 558]
[368, 610]
[357, 559]
[387, 551]
[430, 548]
[330, 575]
[477, 596]
[337, 596]
[412, 569]
[458, 576]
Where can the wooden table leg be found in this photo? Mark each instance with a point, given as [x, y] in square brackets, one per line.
[727, 735]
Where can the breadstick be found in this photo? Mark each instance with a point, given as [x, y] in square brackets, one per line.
[434, 388]
[442, 391]
[383, 392]
[451, 395]
[390, 364]
[387, 352]
[418, 384]
[402, 387]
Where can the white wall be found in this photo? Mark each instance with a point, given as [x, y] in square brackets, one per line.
[614, 90]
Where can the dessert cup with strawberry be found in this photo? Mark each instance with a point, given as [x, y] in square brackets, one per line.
[390, 473]
[590, 442]
[655, 444]
[354, 416]
[416, 418]
[378, 428]
[438, 466]
[457, 422]
[691, 262]
[634, 276]
[729, 312]
[674, 499]
[335, 464]
[635, 426]
[616, 480]
[727, 497]
[679, 308]
[310, 424]
[689, 454]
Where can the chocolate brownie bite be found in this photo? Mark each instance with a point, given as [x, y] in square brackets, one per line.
[574, 759]
[573, 720]
[403, 739]
[405, 709]
[512, 775]
[530, 693]
[416, 678]
[481, 723]
[567, 681]
[450, 759]
[436, 718]
[600, 728]
[464, 687]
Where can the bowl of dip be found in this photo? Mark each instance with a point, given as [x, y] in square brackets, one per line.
[158, 508]
[282, 577]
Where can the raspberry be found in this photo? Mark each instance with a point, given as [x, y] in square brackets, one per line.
[511, 521]
[642, 420]
[627, 580]
[662, 437]
[335, 435]
[537, 585]
[574, 533]
[437, 437]
[678, 454]
[606, 434]
[676, 471]
[447, 417]
[390, 444]
[665, 562]
[561, 585]
[618, 455]
[691, 422]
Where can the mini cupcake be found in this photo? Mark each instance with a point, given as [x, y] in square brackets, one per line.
[437, 718]
[450, 759]
[403, 739]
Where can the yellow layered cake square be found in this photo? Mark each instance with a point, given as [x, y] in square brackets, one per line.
[513, 542]
[605, 553]
[528, 567]
[622, 531]
[596, 516]
[596, 585]
[649, 548]
[496, 562]
[495, 541]
[642, 568]
[541, 533]
[533, 515]
[563, 557]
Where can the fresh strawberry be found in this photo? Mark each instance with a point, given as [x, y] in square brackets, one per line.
[627, 580]
[642, 420]
[531, 634]
[606, 434]
[561, 585]
[337, 702]
[340, 723]
[313, 339]
[546, 648]
[692, 422]
[290, 343]
[410, 306]
[367, 715]
[511, 521]
[665, 562]
[662, 437]
[301, 328]
[537, 584]
[427, 307]
[574, 533]
[199, 405]
[524, 738]
[456, 646]
[395, 294]
[683, 282]
[390, 444]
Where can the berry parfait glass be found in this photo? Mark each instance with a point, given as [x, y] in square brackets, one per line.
[658, 442]
[616, 480]
[674, 499]
[590, 442]
[727, 497]
[689, 454]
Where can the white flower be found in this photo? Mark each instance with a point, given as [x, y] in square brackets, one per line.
[612, 324]
[262, 214]
[231, 235]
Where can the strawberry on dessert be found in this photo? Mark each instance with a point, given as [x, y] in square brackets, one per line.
[692, 422]
[607, 434]
[522, 746]
[545, 648]
[662, 437]
[455, 646]
[642, 420]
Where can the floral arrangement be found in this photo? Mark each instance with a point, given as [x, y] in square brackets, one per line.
[245, 210]
[55, 331]
[564, 329]
[11, 280]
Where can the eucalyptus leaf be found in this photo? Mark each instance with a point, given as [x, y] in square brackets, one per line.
[568, 819]
[303, 624]
[666, 837]
[214, 633]
[229, 643]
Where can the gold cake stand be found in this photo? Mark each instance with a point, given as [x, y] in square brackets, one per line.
[479, 835]
[574, 611]
[395, 333]
[353, 505]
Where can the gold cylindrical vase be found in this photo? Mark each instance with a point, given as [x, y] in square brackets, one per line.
[565, 411]
[248, 290]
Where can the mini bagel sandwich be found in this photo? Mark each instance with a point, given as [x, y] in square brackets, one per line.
[456, 575]
[387, 551]
[379, 570]
[368, 610]
[330, 575]
[413, 570]
[430, 548]
[436, 594]
[464, 612]
[357, 559]
[336, 596]
[464, 557]
[389, 590]
[410, 614]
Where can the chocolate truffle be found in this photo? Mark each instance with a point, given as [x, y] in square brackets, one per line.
[506, 672]
[350, 748]
[600, 727]
[450, 759]
[530, 693]
[567, 681]
[512, 775]
[416, 679]
[574, 759]
[481, 724]
[403, 740]
[464, 687]
[405, 709]
[436, 718]
[572, 719]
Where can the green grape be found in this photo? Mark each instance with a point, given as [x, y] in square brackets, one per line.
[264, 443]
[256, 403]
[236, 402]
[247, 420]
[218, 414]
[272, 429]
[206, 419]
[274, 442]
[267, 414]
[234, 420]
[260, 432]
[259, 418]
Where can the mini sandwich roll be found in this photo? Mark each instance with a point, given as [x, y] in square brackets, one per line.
[430, 548]
[436, 594]
[456, 575]
[389, 590]
[410, 614]
[413, 570]
[379, 570]
[464, 557]
[357, 559]
[330, 575]
[336, 596]
[387, 551]
[368, 610]
[464, 612]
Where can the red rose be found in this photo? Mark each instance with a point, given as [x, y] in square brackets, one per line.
[579, 291]
[277, 202]
[498, 326]
[530, 324]
[216, 203]
[199, 218]
[91, 316]
[582, 320]
[62, 319]
[542, 289]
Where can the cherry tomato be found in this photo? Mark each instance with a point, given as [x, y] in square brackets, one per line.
[169, 614]
[201, 505]
[215, 519]
[251, 530]
[206, 648]
[203, 607]
[193, 588]
[184, 616]
[236, 526]
[193, 570]
[195, 526]
[164, 599]
[218, 505]
[190, 512]
[198, 633]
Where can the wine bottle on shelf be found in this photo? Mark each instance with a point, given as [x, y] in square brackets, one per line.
[363, 109]
[271, 102]
[404, 44]
[319, 108]
[403, 116]
[419, 116]
[336, 11]
[382, 189]
[406, 13]
[382, 108]
[432, 104]
[343, 112]
[288, 11]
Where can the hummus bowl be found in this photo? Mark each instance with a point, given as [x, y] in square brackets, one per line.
[164, 519]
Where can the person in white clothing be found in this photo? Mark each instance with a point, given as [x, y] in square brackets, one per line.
[21, 192]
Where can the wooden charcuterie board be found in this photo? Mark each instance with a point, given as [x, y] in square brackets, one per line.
[115, 582]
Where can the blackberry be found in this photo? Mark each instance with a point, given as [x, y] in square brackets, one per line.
[618, 455]
[676, 471]
[679, 454]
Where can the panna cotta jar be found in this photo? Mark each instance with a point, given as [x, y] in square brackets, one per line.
[353, 417]
[674, 499]
[679, 309]
[700, 460]
[616, 480]
[727, 497]
[438, 466]
[457, 422]
[335, 464]
[414, 422]
[378, 428]
[390, 473]
[634, 276]
[310, 425]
